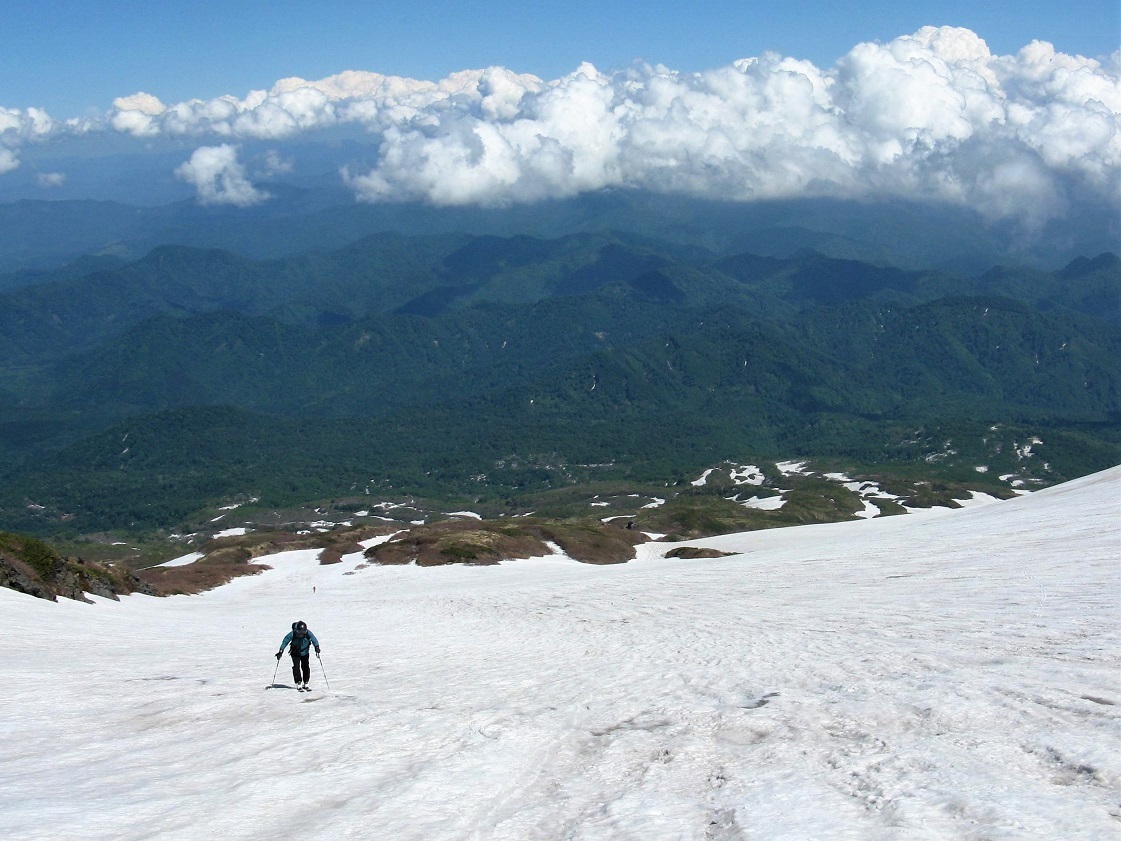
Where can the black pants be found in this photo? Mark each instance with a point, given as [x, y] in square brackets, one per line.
[301, 663]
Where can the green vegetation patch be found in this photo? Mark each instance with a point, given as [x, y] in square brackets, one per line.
[40, 556]
[452, 542]
[592, 543]
[700, 515]
[31, 566]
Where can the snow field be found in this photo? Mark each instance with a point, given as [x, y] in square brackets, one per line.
[953, 677]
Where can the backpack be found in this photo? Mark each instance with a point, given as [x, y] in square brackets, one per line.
[299, 636]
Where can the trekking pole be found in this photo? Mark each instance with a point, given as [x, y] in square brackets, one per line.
[277, 669]
[320, 659]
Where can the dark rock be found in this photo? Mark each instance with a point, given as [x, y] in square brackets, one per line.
[18, 576]
[694, 552]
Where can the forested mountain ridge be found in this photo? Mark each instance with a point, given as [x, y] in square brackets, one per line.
[135, 394]
[435, 274]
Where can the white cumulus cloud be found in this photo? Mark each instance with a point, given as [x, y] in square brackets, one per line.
[930, 116]
[25, 124]
[219, 178]
[9, 160]
[136, 114]
[18, 127]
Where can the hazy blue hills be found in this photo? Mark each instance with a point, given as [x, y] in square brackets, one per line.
[42, 235]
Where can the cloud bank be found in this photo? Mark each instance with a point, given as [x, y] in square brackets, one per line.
[930, 116]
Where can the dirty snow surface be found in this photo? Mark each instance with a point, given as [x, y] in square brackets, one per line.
[952, 677]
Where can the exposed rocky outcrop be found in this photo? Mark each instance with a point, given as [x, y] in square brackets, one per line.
[18, 576]
[31, 566]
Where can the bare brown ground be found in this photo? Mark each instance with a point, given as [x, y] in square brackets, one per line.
[437, 544]
[209, 572]
[488, 542]
[228, 558]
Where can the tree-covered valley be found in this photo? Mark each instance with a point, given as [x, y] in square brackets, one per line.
[494, 369]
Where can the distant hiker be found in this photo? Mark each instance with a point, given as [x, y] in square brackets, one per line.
[302, 640]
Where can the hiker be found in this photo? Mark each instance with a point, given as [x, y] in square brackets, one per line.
[301, 640]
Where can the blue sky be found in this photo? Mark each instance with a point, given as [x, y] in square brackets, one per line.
[72, 57]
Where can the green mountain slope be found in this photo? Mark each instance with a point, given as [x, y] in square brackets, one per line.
[132, 395]
[433, 275]
[715, 384]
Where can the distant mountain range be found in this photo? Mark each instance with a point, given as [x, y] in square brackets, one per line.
[43, 235]
[134, 392]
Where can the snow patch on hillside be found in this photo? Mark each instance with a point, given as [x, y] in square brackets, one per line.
[234, 532]
[790, 468]
[699, 483]
[183, 560]
[747, 474]
[766, 503]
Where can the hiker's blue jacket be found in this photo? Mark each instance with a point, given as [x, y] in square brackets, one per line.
[300, 644]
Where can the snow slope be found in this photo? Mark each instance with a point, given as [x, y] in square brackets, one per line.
[898, 678]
